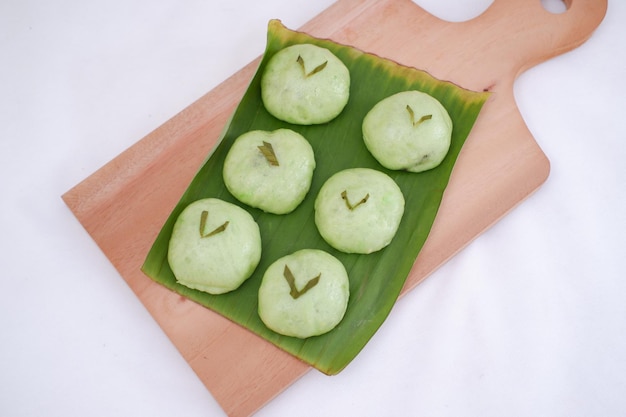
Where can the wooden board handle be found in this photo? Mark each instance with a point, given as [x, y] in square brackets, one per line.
[489, 52]
[529, 34]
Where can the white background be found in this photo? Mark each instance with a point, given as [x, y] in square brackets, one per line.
[529, 320]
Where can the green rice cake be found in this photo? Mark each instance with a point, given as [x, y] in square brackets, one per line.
[358, 210]
[304, 294]
[409, 131]
[215, 246]
[305, 84]
[270, 170]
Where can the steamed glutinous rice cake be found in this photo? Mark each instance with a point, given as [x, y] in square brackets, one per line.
[305, 84]
[215, 246]
[270, 170]
[358, 210]
[409, 131]
[304, 294]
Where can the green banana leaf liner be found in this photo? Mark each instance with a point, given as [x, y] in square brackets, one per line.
[375, 279]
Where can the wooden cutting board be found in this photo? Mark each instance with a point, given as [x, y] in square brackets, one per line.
[124, 204]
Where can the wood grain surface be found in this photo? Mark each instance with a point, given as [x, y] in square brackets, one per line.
[124, 204]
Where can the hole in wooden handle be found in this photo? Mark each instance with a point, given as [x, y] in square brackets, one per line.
[556, 6]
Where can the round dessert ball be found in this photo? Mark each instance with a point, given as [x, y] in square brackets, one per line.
[358, 210]
[304, 294]
[305, 84]
[215, 246]
[409, 131]
[270, 170]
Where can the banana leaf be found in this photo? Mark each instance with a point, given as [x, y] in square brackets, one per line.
[375, 279]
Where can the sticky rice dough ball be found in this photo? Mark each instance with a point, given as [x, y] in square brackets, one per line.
[304, 294]
[305, 84]
[270, 170]
[358, 210]
[215, 246]
[409, 131]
